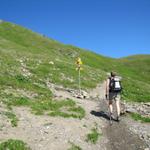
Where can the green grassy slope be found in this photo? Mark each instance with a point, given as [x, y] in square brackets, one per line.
[136, 71]
[29, 61]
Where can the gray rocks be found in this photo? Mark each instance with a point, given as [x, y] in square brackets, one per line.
[24, 70]
[143, 131]
[140, 108]
[51, 62]
[81, 95]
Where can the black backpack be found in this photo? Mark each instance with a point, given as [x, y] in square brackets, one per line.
[115, 85]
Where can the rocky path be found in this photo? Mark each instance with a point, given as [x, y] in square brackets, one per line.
[56, 133]
[119, 135]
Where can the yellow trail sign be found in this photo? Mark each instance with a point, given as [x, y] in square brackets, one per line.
[79, 63]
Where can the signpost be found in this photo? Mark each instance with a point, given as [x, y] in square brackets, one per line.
[79, 63]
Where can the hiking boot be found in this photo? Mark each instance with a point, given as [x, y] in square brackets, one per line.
[112, 116]
[118, 118]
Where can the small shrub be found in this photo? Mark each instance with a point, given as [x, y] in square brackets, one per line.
[137, 117]
[93, 136]
[13, 118]
[74, 147]
[14, 145]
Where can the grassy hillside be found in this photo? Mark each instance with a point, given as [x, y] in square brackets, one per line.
[136, 71]
[29, 62]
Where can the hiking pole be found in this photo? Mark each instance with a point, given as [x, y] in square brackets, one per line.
[110, 119]
[110, 115]
[79, 81]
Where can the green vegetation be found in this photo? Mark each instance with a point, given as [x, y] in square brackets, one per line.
[30, 61]
[75, 112]
[137, 117]
[136, 80]
[12, 117]
[12, 144]
[93, 136]
[37, 52]
[74, 147]
[63, 108]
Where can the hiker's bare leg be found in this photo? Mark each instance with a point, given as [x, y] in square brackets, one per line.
[118, 107]
[117, 98]
[110, 106]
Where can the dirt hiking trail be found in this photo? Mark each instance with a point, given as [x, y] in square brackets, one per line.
[118, 134]
[56, 133]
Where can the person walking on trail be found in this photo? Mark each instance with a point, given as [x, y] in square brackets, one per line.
[113, 89]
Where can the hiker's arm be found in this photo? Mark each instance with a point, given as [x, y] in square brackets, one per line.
[107, 87]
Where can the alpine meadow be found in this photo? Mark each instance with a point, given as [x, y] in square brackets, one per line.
[39, 104]
[29, 60]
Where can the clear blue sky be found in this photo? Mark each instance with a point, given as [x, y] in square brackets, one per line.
[114, 28]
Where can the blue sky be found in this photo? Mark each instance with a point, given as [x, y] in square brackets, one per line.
[114, 28]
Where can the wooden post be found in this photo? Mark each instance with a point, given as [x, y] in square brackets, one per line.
[79, 82]
[79, 63]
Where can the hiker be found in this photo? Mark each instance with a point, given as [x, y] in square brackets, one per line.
[113, 89]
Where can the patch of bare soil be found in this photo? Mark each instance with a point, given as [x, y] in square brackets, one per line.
[56, 133]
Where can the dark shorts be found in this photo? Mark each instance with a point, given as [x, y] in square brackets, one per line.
[114, 96]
